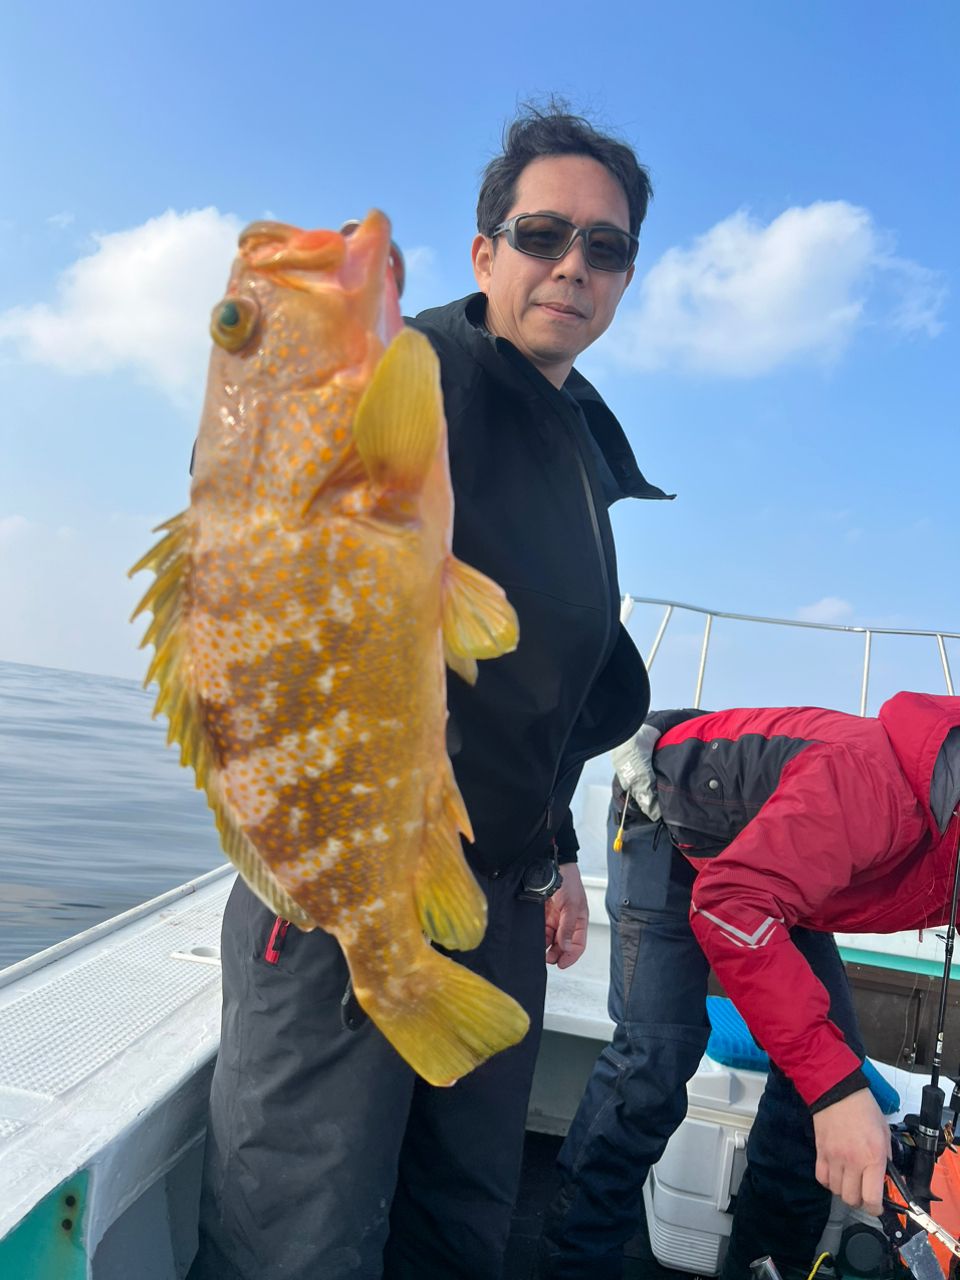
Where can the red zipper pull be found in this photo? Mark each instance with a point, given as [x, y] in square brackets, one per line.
[275, 941]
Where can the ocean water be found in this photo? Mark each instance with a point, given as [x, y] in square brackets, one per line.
[96, 814]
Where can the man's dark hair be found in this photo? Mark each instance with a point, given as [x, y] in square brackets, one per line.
[552, 130]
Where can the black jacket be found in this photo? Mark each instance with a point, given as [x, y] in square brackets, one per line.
[530, 510]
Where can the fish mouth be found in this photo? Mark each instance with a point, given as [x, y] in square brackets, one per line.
[359, 261]
[276, 247]
[395, 260]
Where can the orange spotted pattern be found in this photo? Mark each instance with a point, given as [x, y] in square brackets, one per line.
[311, 610]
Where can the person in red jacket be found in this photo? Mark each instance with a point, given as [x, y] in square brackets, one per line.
[796, 822]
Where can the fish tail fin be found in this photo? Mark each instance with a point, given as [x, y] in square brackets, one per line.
[451, 905]
[478, 619]
[443, 1019]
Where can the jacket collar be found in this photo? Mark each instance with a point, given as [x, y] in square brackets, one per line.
[918, 725]
[462, 321]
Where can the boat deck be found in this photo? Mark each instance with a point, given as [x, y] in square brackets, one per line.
[106, 1050]
[538, 1184]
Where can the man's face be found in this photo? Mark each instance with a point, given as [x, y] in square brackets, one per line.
[551, 311]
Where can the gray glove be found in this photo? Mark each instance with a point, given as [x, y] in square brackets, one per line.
[634, 765]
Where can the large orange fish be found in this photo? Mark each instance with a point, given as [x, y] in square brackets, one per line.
[304, 608]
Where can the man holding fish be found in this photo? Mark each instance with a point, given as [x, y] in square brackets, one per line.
[368, 1104]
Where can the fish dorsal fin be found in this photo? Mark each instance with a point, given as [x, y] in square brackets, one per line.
[164, 598]
[451, 905]
[398, 425]
[180, 702]
[478, 619]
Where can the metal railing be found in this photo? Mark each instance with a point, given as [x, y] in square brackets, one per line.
[868, 633]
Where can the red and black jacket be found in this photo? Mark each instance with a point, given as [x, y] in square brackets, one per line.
[803, 816]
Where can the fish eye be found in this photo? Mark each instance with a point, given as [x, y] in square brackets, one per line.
[233, 322]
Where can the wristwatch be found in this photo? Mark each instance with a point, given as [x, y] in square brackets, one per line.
[541, 879]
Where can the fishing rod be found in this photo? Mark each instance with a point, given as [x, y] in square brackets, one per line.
[922, 1139]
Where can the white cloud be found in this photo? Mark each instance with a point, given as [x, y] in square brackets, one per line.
[829, 609]
[140, 301]
[60, 220]
[919, 296]
[11, 527]
[748, 297]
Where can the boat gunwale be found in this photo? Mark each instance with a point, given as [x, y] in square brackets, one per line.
[30, 964]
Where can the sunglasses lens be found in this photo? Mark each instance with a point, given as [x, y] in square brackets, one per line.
[542, 236]
[609, 249]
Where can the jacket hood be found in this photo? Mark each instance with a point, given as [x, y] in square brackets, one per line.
[463, 322]
[918, 726]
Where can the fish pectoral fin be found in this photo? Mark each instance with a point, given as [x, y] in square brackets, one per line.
[478, 619]
[398, 426]
[466, 668]
[347, 472]
[450, 904]
[443, 1019]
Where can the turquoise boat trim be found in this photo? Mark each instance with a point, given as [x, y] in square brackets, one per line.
[48, 1243]
[906, 964]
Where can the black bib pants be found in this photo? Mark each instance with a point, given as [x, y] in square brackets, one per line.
[327, 1158]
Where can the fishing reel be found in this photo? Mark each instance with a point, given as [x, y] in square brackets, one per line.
[923, 1245]
[911, 1243]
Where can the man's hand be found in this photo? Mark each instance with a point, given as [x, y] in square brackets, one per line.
[853, 1146]
[566, 915]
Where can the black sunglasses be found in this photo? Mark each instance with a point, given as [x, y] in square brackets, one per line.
[545, 235]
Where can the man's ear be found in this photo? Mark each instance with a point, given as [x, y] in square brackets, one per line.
[481, 254]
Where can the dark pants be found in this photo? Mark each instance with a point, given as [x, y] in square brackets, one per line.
[636, 1096]
[326, 1156]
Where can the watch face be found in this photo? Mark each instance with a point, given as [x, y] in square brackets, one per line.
[542, 877]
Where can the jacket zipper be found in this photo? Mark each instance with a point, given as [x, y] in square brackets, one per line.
[605, 580]
[276, 940]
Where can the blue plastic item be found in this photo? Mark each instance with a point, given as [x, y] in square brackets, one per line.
[732, 1045]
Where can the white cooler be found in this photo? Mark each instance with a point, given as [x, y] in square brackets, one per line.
[688, 1193]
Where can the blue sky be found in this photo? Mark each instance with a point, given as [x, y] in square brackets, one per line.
[786, 359]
